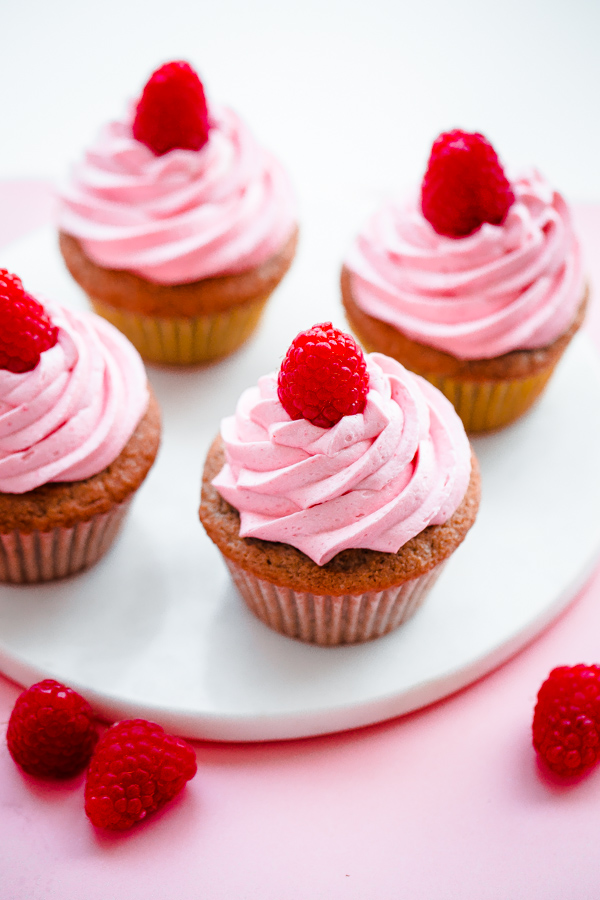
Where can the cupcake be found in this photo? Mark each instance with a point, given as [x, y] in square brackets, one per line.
[338, 490]
[177, 224]
[476, 284]
[79, 431]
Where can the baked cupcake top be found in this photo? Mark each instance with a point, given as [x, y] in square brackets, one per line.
[192, 195]
[393, 462]
[474, 266]
[72, 391]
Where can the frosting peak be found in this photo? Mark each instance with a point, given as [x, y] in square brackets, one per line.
[373, 481]
[514, 286]
[71, 416]
[183, 216]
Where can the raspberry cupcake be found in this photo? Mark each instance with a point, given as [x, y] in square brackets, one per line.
[79, 431]
[476, 284]
[338, 491]
[177, 224]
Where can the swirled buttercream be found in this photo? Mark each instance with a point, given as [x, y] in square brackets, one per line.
[183, 216]
[373, 481]
[515, 286]
[71, 416]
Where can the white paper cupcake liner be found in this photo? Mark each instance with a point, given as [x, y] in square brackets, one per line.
[46, 555]
[330, 619]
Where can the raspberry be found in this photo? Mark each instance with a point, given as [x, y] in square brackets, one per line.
[51, 730]
[171, 112]
[566, 719]
[323, 376]
[464, 185]
[25, 328]
[136, 768]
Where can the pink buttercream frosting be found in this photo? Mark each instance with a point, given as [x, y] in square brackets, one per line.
[373, 481]
[515, 286]
[183, 216]
[71, 416]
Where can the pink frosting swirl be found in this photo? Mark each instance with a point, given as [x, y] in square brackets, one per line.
[184, 216]
[514, 286]
[373, 481]
[71, 416]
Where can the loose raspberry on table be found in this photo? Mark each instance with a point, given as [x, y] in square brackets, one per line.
[566, 719]
[464, 185]
[323, 376]
[25, 328]
[136, 768]
[172, 113]
[51, 730]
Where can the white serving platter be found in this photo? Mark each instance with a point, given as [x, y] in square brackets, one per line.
[156, 628]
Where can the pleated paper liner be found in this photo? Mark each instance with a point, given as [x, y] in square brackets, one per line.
[330, 620]
[489, 405]
[47, 555]
[185, 340]
[484, 405]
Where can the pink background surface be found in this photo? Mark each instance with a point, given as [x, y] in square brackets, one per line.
[445, 803]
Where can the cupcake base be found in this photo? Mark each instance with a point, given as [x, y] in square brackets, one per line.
[180, 324]
[490, 405]
[487, 394]
[357, 596]
[328, 619]
[185, 341]
[45, 556]
[61, 528]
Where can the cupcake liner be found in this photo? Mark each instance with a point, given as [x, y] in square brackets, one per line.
[488, 405]
[185, 340]
[330, 620]
[27, 558]
[482, 404]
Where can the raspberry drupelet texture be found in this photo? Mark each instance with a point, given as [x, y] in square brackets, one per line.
[464, 185]
[25, 328]
[171, 113]
[566, 719]
[323, 376]
[136, 769]
[51, 731]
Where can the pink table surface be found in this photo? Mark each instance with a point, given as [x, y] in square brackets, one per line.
[445, 803]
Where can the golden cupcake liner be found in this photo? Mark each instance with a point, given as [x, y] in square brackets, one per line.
[327, 619]
[46, 555]
[484, 405]
[185, 340]
[488, 405]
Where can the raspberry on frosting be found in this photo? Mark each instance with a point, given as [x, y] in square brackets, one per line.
[171, 113]
[517, 286]
[179, 218]
[26, 330]
[323, 376]
[464, 185]
[372, 481]
[72, 414]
